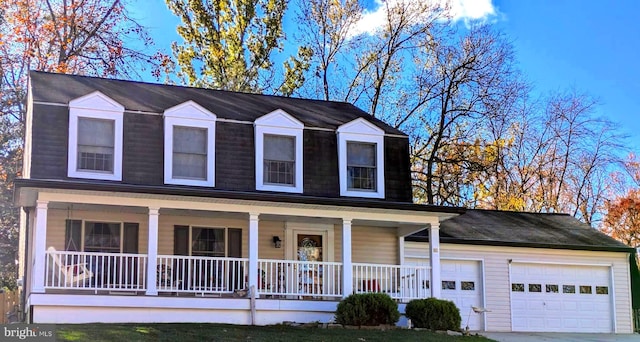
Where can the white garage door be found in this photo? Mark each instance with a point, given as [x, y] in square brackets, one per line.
[462, 284]
[560, 298]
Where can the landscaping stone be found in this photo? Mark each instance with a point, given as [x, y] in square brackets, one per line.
[454, 333]
[334, 326]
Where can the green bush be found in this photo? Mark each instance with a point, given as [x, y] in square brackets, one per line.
[434, 314]
[369, 309]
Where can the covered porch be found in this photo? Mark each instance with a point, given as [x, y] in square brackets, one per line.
[315, 253]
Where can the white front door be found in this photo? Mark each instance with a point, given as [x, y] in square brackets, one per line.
[561, 298]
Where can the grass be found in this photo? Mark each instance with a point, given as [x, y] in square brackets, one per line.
[219, 332]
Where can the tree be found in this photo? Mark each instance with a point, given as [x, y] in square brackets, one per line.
[327, 27]
[463, 83]
[68, 36]
[622, 211]
[229, 44]
[556, 158]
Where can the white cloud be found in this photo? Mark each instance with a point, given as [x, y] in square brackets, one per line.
[472, 9]
[466, 10]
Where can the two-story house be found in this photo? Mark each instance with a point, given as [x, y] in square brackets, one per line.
[156, 203]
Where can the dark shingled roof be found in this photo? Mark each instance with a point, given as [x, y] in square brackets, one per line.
[508, 228]
[156, 98]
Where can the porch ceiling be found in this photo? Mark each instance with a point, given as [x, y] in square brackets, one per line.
[71, 207]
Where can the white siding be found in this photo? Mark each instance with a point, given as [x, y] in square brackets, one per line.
[497, 286]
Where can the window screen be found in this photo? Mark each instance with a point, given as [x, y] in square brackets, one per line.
[96, 138]
[189, 152]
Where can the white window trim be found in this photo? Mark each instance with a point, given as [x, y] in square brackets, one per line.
[278, 122]
[97, 106]
[362, 131]
[189, 114]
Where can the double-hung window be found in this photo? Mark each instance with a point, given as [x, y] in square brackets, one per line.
[279, 159]
[102, 237]
[189, 145]
[208, 242]
[95, 138]
[361, 166]
[96, 142]
[278, 138]
[189, 153]
[361, 159]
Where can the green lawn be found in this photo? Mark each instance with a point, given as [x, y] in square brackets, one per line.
[218, 332]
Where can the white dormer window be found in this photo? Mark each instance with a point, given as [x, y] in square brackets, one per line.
[189, 145]
[95, 138]
[361, 159]
[278, 139]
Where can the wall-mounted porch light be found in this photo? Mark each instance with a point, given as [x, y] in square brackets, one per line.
[277, 242]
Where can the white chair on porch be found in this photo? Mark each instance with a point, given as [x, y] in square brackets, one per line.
[72, 274]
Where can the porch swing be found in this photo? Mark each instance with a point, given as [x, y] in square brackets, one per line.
[71, 272]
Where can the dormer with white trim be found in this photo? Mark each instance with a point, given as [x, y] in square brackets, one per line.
[189, 145]
[278, 141]
[95, 138]
[361, 159]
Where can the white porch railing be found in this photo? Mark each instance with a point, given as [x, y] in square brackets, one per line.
[401, 282]
[95, 271]
[287, 279]
[201, 275]
[294, 279]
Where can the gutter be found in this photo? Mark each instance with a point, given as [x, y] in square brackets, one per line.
[228, 194]
[524, 244]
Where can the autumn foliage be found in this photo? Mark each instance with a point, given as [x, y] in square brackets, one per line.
[86, 37]
[622, 219]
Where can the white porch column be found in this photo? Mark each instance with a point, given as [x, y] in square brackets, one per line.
[347, 268]
[152, 252]
[40, 247]
[434, 258]
[253, 251]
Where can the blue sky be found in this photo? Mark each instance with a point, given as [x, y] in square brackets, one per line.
[592, 46]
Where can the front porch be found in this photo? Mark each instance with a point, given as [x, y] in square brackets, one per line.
[164, 253]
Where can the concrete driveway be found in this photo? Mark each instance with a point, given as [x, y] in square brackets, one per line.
[560, 337]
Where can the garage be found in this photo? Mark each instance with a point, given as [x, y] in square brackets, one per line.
[539, 272]
[561, 298]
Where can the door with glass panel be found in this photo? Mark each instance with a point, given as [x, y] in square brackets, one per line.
[310, 274]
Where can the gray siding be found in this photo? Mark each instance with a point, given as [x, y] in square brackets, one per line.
[49, 142]
[143, 151]
[397, 170]
[321, 164]
[143, 155]
[235, 157]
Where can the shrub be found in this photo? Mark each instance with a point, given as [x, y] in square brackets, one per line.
[434, 314]
[369, 309]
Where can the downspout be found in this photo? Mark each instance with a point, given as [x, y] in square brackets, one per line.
[27, 269]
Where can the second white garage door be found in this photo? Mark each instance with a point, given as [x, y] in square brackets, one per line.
[561, 298]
